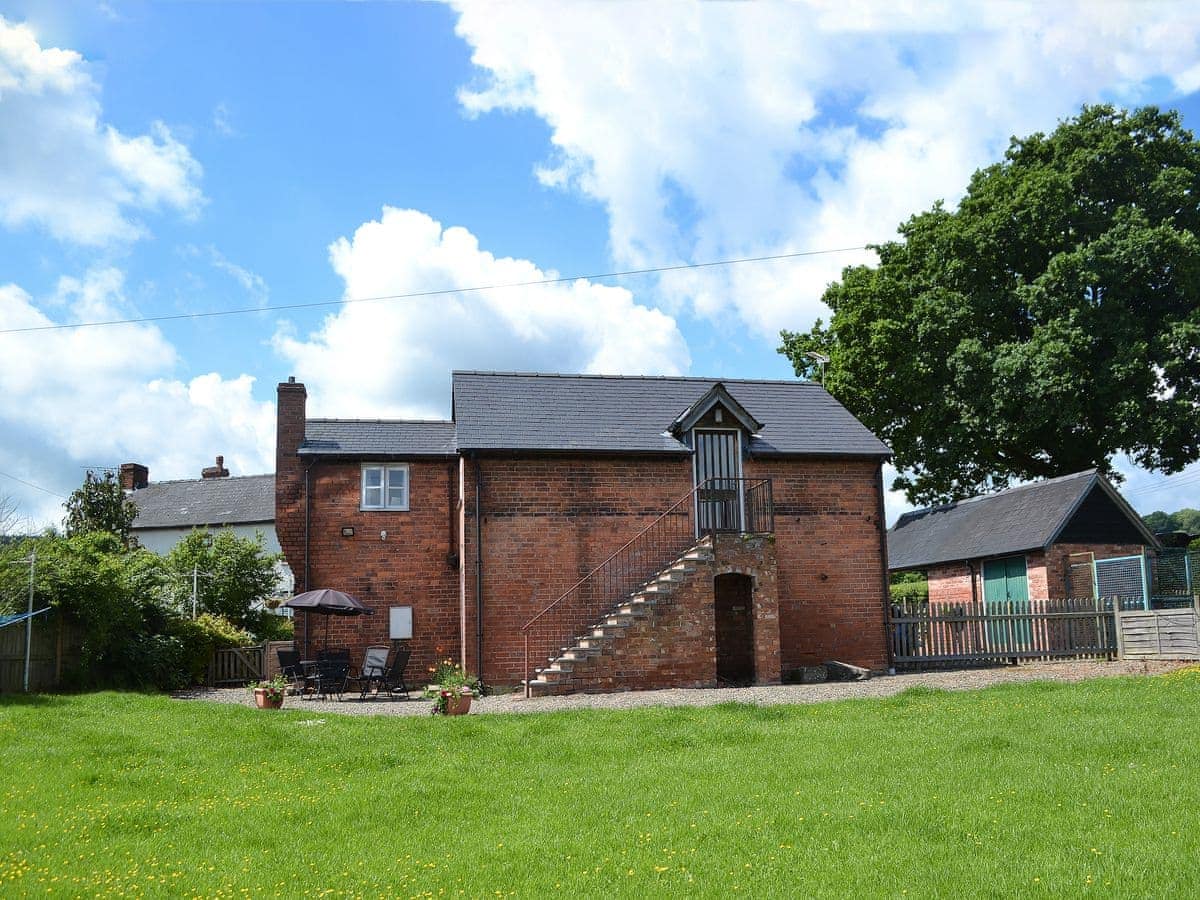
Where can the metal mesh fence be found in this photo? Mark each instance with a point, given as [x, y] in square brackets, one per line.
[1123, 578]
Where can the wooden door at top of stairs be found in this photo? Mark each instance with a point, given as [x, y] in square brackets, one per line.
[1006, 595]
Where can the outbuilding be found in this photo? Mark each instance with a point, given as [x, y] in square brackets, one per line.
[1073, 536]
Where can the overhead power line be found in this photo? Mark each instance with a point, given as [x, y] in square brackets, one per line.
[37, 487]
[414, 295]
[1179, 479]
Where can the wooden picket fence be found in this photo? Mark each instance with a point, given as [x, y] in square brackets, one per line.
[964, 633]
[236, 665]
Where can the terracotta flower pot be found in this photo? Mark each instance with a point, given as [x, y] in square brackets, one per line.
[457, 704]
[264, 700]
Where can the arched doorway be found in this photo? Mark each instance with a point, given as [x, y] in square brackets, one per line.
[734, 596]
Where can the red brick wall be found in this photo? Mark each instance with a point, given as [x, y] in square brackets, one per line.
[830, 544]
[410, 567]
[1057, 561]
[547, 522]
[1046, 572]
[676, 644]
[289, 477]
[951, 583]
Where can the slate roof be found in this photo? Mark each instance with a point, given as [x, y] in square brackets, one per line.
[205, 501]
[600, 413]
[377, 437]
[1023, 518]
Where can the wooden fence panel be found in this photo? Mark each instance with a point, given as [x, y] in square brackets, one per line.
[44, 662]
[236, 665]
[1159, 634]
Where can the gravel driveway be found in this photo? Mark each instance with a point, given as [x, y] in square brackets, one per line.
[766, 695]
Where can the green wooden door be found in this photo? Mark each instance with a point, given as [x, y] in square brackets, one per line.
[1006, 594]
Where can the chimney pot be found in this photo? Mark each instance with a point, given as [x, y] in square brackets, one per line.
[217, 471]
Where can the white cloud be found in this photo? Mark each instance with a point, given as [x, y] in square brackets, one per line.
[102, 396]
[221, 120]
[62, 167]
[252, 283]
[393, 357]
[715, 130]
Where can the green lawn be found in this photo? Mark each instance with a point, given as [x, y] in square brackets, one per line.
[1035, 789]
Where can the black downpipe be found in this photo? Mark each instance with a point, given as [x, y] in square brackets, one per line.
[307, 509]
[478, 564]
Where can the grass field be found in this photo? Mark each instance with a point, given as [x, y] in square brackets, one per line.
[1035, 789]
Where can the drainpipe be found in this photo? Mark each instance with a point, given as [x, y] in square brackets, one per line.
[478, 564]
[453, 550]
[307, 513]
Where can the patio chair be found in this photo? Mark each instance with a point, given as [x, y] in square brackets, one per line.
[289, 668]
[372, 672]
[393, 679]
[331, 676]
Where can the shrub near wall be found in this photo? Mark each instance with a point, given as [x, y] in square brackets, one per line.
[200, 638]
[910, 587]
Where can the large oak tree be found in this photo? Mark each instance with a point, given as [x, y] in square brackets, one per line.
[1048, 323]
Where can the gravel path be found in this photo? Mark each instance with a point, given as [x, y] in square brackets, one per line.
[766, 695]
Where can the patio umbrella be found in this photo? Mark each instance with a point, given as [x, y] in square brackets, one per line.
[329, 602]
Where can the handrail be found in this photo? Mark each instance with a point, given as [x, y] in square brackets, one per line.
[735, 504]
[633, 540]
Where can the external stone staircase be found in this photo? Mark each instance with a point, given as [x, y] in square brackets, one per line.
[580, 666]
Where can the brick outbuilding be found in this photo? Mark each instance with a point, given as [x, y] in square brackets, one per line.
[595, 533]
[1073, 536]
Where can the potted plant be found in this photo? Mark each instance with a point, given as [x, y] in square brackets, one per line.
[269, 694]
[451, 690]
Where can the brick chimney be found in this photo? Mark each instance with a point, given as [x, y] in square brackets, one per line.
[217, 471]
[289, 475]
[134, 476]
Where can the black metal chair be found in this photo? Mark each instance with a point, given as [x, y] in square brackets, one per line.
[393, 679]
[331, 677]
[371, 673]
[289, 668]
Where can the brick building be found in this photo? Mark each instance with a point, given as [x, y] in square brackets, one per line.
[596, 533]
[1073, 536]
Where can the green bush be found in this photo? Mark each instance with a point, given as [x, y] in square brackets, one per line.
[271, 627]
[151, 661]
[910, 592]
[199, 638]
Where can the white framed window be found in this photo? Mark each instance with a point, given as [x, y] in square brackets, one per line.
[384, 487]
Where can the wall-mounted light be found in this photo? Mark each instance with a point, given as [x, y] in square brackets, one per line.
[347, 531]
[383, 535]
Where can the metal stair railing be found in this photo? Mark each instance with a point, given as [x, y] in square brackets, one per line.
[716, 505]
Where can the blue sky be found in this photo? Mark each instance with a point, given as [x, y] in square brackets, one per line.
[158, 159]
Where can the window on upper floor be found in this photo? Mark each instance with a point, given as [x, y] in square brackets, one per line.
[384, 487]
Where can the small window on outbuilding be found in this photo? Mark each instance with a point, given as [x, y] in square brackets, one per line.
[384, 487]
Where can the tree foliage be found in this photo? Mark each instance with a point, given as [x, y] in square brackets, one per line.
[99, 504]
[1182, 520]
[1049, 323]
[234, 576]
[107, 592]
[130, 610]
